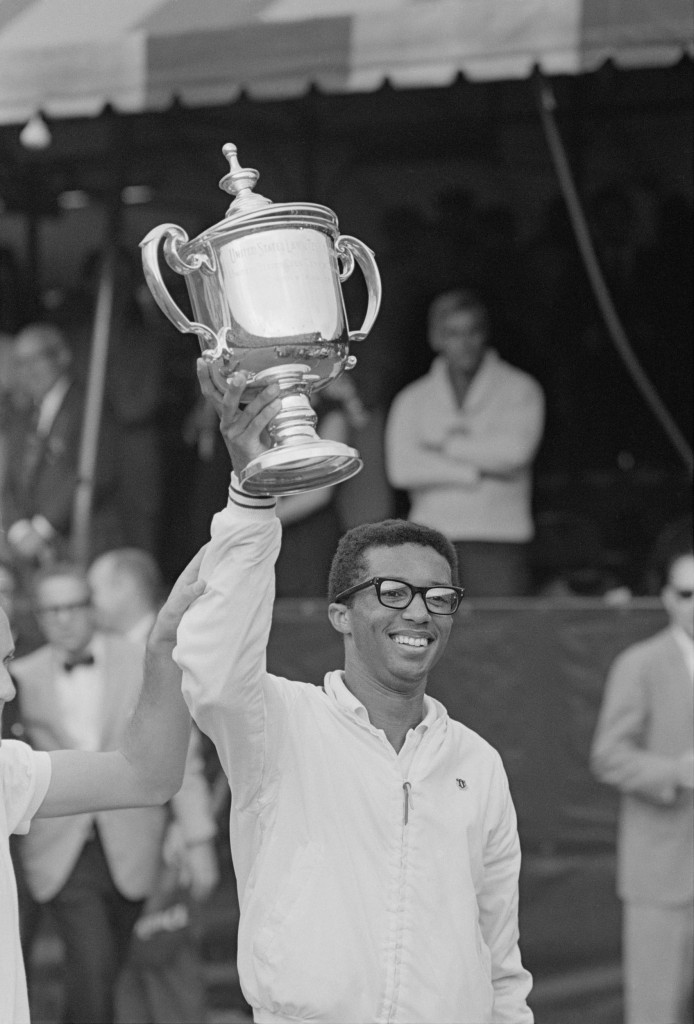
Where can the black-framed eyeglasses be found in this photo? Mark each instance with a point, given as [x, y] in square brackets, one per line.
[56, 609]
[395, 593]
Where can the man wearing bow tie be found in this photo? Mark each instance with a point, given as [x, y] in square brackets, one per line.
[93, 870]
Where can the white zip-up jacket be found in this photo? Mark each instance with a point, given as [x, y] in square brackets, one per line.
[374, 887]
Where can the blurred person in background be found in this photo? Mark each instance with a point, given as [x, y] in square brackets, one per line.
[127, 590]
[43, 454]
[7, 406]
[146, 769]
[94, 871]
[644, 747]
[461, 442]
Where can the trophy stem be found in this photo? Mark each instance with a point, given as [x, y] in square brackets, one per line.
[296, 421]
[299, 460]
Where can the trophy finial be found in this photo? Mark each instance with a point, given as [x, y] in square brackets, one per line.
[240, 182]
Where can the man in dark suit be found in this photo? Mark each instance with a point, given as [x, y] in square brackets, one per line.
[644, 746]
[43, 454]
[93, 870]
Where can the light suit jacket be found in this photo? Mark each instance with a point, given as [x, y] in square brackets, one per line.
[131, 838]
[646, 724]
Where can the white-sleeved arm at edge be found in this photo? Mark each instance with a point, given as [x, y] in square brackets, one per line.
[26, 775]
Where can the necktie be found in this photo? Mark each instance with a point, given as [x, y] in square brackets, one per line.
[33, 447]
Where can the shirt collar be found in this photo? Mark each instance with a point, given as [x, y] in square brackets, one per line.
[334, 686]
[483, 381]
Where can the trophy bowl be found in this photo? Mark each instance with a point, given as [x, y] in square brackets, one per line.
[265, 288]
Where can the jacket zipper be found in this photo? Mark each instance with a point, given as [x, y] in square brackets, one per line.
[407, 801]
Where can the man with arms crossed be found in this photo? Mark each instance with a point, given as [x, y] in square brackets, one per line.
[146, 769]
[374, 839]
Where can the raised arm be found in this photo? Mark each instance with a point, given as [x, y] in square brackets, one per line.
[223, 638]
[148, 767]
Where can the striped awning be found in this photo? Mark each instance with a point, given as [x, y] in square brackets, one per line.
[69, 58]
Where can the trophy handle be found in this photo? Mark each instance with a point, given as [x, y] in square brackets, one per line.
[174, 237]
[349, 249]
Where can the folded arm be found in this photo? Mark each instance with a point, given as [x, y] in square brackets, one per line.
[464, 449]
[412, 461]
[511, 443]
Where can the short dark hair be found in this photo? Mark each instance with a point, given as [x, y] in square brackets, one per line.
[457, 300]
[349, 561]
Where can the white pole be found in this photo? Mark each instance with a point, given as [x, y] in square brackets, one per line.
[89, 443]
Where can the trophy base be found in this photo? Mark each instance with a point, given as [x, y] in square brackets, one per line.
[300, 466]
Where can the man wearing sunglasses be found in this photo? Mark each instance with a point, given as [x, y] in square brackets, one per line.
[374, 839]
[644, 746]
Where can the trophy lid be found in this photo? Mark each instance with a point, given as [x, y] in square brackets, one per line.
[240, 182]
[249, 208]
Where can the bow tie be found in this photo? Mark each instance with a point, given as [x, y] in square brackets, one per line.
[85, 659]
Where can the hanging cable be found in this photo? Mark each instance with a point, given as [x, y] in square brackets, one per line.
[547, 106]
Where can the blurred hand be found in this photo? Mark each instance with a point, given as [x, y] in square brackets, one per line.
[343, 390]
[31, 545]
[201, 870]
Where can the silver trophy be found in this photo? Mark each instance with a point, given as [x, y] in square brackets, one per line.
[264, 285]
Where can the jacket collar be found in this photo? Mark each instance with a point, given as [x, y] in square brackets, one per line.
[334, 686]
[482, 384]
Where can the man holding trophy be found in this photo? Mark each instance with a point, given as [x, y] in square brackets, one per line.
[374, 839]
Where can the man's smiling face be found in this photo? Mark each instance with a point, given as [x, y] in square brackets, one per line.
[396, 648]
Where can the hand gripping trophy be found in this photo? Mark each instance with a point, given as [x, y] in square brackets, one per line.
[264, 285]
